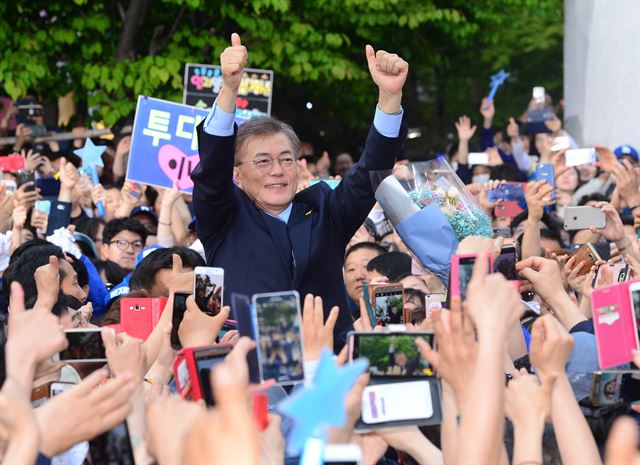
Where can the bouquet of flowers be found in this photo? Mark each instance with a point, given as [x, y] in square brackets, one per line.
[431, 210]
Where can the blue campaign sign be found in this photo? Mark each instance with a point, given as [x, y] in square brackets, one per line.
[164, 144]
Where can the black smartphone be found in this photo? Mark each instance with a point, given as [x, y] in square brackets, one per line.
[391, 354]
[279, 336]
[59, 216]
[24, 176]
[506, 263]
[241, 308]
[113, 447]
[206, 358]
[85, 345]
[179, 307]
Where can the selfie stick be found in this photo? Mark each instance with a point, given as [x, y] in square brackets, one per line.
[91, 158]
[496, 81]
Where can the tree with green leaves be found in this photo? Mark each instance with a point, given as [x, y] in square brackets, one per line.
[108, 52]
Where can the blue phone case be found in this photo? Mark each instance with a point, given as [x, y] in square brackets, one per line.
[545, 172]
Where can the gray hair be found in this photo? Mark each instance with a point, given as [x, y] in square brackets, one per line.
[262, 126]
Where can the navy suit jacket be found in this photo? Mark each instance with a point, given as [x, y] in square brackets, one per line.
[237, 237]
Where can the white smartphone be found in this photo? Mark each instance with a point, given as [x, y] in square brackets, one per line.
[85, 345]
[539, 94]
[59, 388]
[432, 301]
[560, 143]
[478, 158]
[583, 218]
[208, 288]
[576, 157]
[342, 454]
[382, 403]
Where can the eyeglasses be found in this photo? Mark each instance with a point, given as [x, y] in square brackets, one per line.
[266, 163]
[124, 245]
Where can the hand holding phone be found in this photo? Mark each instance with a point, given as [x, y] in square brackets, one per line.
[84, 345]
[461, 272]
[583, 217]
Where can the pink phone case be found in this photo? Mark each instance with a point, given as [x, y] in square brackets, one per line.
[613, 321]
[455, 271]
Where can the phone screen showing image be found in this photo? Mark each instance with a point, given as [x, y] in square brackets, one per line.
[179, 307]
[204, 364]
[393, 355]
[506, 263]
[208, 288]
[389, 306]
[279, 336]
[635, 302]
[465, 271]
[84, 345]
[113, 447]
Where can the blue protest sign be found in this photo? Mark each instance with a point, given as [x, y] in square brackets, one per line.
[164, 144]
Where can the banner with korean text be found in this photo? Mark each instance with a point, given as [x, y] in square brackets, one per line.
[202, 84]
[164, 144]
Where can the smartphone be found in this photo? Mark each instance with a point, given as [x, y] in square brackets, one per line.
[506, 263]
[391, 355]
[85, 345]
[502, 232]
[113, 447]
[576, 157]
[208, 287]
[478, 158]
[508, 192]
[277, 324]
[139, 315]
[43, 206]
[583, 218]
[366, 296]
[388, 303]
[11, 185]
[461, 272]
[588, 255]
[545, 172]
[614, 324]
[59, 216]
[242, 313]
[206, 358]
[11, 163]
[406, 401]
[605, 388]
[634, 296]
[538, 94]
[560, 143]
[59, 388]
[179, 307]
[24, 176]
[508, 209]
[342, 454]
[38, 130]
[604, 249]
[433, 301]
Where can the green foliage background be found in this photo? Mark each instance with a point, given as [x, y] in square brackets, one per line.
[315, 47]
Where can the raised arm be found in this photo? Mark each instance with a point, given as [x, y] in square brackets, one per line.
[354, 197]
[213, 197]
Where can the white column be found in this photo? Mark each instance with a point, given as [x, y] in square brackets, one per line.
[602, 71]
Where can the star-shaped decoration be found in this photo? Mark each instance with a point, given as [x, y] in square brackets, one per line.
[91, 154]
[496, 81]
[318, 407]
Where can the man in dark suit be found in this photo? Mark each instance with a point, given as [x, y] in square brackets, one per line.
[250, 219]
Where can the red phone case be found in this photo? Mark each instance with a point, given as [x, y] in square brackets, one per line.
[455, 271]
[139, 315]
[260, 407]
[614, 324]
[11, 163]
[508, 209]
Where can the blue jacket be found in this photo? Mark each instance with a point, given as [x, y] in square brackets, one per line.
[237, 236]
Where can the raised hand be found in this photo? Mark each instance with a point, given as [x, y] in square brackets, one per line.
[464, 128]
[613, 229]
[389, 72]
[198, 328]
[487, 110]
[125, 354]
[232, 62]
[18, 425]
[625, 176]
[316, 334]
[513, 130]
[537, 196]
[550, 348]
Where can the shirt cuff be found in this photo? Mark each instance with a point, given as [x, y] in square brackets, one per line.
[386, 124]
[219, 122]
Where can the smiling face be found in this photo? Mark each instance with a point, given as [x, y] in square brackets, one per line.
[273, 187]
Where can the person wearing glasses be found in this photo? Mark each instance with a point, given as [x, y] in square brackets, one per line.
[249, 217]
[122, 239]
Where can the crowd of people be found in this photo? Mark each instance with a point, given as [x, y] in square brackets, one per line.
[516, 368]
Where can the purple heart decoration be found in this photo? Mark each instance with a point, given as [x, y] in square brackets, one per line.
[177, 165]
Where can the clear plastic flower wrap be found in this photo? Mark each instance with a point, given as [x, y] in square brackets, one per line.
[431, 210]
